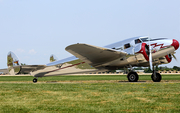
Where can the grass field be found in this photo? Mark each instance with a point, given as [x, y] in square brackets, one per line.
[85, 96]
[85, 78]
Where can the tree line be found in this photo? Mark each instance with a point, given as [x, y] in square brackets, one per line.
[160, 68]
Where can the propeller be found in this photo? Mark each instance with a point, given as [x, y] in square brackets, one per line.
[174, 57]
[150, 56]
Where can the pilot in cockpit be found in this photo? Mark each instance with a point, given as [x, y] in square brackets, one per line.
[137, 41]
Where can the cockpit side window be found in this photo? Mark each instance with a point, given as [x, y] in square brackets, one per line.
[127, 45]
[137, 41]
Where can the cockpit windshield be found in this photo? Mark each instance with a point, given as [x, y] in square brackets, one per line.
[145, 39]
[148, 39]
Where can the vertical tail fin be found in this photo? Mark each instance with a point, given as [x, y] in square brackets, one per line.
[13, 63]
[53, 58]
[12, 59]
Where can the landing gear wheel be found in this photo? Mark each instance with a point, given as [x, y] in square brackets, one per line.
[133, 77]
[35, 80]
[156, 78]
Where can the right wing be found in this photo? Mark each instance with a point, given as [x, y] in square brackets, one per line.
[94, 55]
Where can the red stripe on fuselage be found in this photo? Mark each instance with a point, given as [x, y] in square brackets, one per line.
[156, 45]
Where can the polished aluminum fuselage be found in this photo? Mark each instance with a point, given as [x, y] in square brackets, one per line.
[131, 57]
[89, 58]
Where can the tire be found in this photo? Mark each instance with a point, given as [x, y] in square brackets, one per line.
[34, 80]
[158, 77]
[133, 77]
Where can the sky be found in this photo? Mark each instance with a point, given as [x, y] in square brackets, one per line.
[36, 29]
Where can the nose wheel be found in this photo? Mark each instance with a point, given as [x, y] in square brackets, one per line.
[35, 80]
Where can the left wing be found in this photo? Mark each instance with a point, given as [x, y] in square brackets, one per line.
[94, 55]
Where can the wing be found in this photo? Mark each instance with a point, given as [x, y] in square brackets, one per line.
[94, 55]
[59, 62]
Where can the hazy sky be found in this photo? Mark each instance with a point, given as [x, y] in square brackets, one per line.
[35, 29]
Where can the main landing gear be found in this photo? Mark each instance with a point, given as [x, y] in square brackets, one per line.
[156, 77]
[35, 80]
[133, 76]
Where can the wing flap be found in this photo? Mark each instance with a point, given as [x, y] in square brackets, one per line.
[94, 55]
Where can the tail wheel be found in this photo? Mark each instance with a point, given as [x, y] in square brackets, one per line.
[35, 80]
[156, 78]
[133, 77]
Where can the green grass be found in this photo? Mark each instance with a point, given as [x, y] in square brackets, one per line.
[88, 97]
[84, 78]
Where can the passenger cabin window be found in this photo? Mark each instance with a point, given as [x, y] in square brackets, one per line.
[127, 45]
[121, 48]
[137, 41]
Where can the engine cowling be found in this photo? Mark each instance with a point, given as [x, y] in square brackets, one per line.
[168, 58]
[145, 51]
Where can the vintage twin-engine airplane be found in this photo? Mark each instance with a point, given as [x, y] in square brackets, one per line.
[137, 51]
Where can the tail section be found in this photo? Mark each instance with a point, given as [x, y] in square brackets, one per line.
[12, 59]
[13, 63]
[53, 58]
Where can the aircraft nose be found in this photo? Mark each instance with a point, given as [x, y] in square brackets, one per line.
[175, 43]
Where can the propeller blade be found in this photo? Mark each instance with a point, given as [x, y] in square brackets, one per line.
[150, 61]
[174, 57]
[150, 56]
